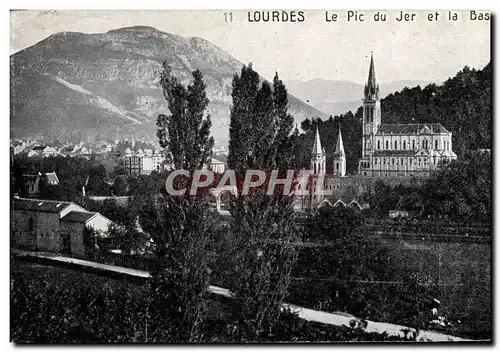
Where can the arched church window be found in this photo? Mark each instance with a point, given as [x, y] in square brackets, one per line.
[378, 145]
[413, 144]
[436, 145]
[337, 166]
[404, 145]
[386, 144]
[395, 145]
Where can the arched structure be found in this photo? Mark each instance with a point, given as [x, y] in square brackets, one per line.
[325, 203]
[339, 203]
[219, 191]
[354, 204]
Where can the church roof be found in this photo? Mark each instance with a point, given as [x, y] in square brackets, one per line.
[339, 148]
[371, 87]
[412, 128]
[372, 83]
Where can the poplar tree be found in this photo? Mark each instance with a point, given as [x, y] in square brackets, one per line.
[185, 133]
[241, 130]
[263, 228]
[180, 225]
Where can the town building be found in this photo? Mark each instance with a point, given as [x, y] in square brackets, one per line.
[31, 183]
[217, 166]
[143, 162]
[54, 226]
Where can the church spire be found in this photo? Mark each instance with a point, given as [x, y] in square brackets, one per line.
[371, 87]
[339, 148]
[371, 75]
[317, 150]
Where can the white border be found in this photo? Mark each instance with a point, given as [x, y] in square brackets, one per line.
[189, 4]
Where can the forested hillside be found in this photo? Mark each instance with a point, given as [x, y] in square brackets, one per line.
[462, 105]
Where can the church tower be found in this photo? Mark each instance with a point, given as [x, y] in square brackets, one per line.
[339, 161]
[318, 156]
[371, 111]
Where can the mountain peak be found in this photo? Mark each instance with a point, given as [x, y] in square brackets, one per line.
[109, 83]
[138, 28]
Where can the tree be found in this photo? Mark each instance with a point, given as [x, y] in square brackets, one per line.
[263, 230]
[262, 258]
[89, 241]
[178, 289]
[97, 180]
[284, 144]
[119, 186]
[245, 87]
[260, 125]
[462, 188]
[182, 225]
[185, 134]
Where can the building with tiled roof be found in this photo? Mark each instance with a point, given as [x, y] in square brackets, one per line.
[54, 226]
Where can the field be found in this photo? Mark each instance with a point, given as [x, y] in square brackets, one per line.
[463, 274]
[459, 275]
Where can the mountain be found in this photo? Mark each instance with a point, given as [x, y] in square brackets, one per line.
[105, 85]
[338, 97]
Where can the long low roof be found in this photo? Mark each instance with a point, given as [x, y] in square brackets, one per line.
[412, 128]
[48, 206]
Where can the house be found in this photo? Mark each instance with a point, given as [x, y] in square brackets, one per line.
[75, 222]
[32, 182]
[53, 226]
[217, 166]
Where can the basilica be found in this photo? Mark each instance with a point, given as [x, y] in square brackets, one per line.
[390, 150]
[393, 153]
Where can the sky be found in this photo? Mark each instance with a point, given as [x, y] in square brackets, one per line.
[418, 49]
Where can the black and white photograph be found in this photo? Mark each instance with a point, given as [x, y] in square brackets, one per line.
[250, 176]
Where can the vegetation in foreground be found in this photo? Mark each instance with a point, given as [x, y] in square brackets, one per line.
[55, 305]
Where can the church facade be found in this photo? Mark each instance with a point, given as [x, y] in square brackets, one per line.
[399, 149]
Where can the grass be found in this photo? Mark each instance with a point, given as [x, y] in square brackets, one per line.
[459, 273]
[463, 274]
[60, 305]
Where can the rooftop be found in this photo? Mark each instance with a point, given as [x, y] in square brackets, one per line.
[48, 206]
[412, 128]
[78, 216]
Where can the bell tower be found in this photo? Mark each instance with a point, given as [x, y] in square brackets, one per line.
[318, 156]
[371, 111]
[339, 162]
